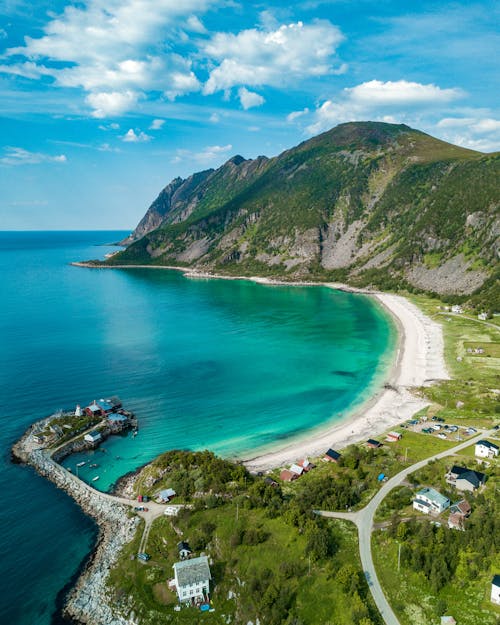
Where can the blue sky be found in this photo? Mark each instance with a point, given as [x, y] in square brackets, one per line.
[103, 102]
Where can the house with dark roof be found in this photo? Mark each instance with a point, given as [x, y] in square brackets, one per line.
[485, 449]
[192, 579]
[495, 589]
[184, 549]
[332, 456]
[373, 443]
[463, 478]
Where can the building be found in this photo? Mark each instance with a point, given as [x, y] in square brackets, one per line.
[463, 478]
[92, 437]
[430, 501]
[78, 411]
[93, 410]
[456, 309]
[482, 316]
[306, 465]
[192, 578]
[166, 495]
[116, 421]
[373, 444]
[295, 468]
[184, 550]
[495, 589]
[270, 482]
[105, 406]
[332, 456]
[392, 437]
[288, 476]
[485, 449]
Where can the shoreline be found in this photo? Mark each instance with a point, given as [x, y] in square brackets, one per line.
[419, 362]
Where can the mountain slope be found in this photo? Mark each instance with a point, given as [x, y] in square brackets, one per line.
[366, 202]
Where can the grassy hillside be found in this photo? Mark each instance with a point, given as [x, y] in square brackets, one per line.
[368, 203]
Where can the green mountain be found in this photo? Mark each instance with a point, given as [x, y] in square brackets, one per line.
[366, 203]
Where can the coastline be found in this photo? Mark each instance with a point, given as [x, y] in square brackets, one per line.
[419, 362]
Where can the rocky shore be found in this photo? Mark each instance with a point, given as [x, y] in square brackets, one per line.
[89, 601]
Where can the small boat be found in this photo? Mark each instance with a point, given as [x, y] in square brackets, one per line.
[93, 466]
[94, 479]
[80, 464]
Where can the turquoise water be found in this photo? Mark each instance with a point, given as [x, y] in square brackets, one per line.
[226, 365]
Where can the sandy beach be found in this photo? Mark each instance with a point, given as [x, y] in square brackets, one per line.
[419, 361]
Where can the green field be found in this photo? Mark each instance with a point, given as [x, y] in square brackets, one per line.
[274, 580]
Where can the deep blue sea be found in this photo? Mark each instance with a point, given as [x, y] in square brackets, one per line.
[225, 365]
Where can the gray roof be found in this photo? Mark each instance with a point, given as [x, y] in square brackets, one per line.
[192, 571]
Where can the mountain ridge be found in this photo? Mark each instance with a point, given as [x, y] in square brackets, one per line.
[366, 203]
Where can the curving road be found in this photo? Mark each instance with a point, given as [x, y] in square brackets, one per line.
[363, 519]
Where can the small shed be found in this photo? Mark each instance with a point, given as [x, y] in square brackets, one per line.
[184, 549]
[167, 494]
[394, 436]
[288, 476]
[92, 437]
[373, 444]
[332, 456]
[296, 468]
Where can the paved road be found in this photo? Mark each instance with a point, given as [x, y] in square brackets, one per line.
[363, 519]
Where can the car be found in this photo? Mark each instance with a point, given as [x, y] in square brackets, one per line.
[139, 508]
[427, 430]
[143, 556]
[442, 435]
[496, 427]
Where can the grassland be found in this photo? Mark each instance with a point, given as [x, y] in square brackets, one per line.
[275, 579]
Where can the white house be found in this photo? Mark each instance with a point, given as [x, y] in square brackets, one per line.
[482, 316]
[92, 437]
[295, 468]
[430, 501]
[485, 449]
[495, 590]
[78, 411]
[192, 579]
[456, 309]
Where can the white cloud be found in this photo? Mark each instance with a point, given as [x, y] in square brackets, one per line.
[214, 118]
[19, 156]
[156, 124]
[249, 99]
[3, 33]
[194, 24]
[110, 104]
[296, 114]
[261, 57]
[117, 47]
[206, 155]
[476, 133]
[132, 137]
[378, 93]
[372, 100]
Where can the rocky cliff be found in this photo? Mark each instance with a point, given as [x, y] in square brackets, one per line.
[365, 203]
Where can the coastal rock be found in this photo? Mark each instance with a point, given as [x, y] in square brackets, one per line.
[89, 601]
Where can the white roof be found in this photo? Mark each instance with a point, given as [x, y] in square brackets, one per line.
[296, 469]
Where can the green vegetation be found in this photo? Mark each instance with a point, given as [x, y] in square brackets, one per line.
[470, 397]
[273, 559]
[420, 199]
[442, 571]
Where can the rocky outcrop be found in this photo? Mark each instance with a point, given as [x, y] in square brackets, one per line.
[89, 601]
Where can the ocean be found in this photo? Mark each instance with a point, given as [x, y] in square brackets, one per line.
[231, 366]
